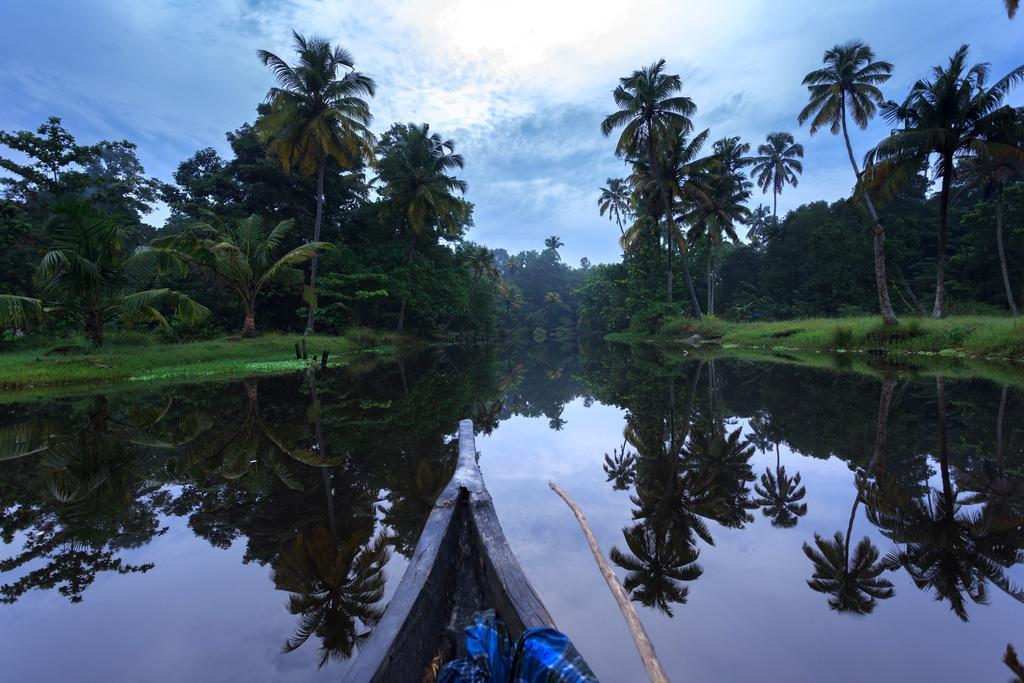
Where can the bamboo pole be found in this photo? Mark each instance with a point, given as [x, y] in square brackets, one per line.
[636, 628]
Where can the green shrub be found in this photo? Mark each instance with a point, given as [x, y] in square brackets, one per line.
[651, 317]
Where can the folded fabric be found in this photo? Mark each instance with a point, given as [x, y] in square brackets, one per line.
[541, 655]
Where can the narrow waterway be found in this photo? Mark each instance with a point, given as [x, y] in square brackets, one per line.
[771, 521]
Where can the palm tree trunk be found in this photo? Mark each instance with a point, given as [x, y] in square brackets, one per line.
[947, 484]
[881, 282]
[711, 284]
[316, 238]
[408, 256]
[94, 326]
[914, 302]
[1002, 254]
[939, 311]
[775, 202]
[249, 326]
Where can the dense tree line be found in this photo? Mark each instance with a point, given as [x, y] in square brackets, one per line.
[893, 245]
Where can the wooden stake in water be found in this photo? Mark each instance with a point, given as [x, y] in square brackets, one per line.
[643, 644]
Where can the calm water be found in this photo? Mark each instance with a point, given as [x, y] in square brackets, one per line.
[199, 532]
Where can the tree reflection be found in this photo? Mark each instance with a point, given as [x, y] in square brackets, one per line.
[81, 490]
[945, 547]
[336, 588]
[854, 584]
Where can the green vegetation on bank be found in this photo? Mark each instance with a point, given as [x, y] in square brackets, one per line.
[977, 336]
[132, 357]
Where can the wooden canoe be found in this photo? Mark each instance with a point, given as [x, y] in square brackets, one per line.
[462, 564]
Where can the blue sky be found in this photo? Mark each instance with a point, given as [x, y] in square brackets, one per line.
[520, 86]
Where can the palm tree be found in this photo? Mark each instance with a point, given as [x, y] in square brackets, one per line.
[335, 586]
[725, 192]
[314, 115]
[759, 226]
[951, 550]
[651, 114]
[780, 497]
[990, 172]
[89, 273]
[480, 260]
[657, 566]
[1011, 11]
[243, 258]
[952, 115]
[553, 244]
[854, 585]
[415, 167]
[850, 79]
[776, 165]
[615, 201]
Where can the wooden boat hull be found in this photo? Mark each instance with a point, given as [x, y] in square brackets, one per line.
[462, 564]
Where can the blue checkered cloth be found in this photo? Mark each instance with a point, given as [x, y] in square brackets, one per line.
[541, 655]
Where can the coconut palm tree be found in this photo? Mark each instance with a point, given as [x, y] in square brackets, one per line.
[777, 165]
[656, 567]
[849, 81]
[759, 226]
[990, 171]
[944, 546]
[621, 468]
[553, 244]
[651, 114]
[416, 169]
[316, 114]
[615, 200]
[952, 115]
[336, 586]
[89, 273]
[853, 583]
[780, 497]
[244, 258]
[726, 192]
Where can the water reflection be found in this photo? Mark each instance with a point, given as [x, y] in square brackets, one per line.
[323, 476]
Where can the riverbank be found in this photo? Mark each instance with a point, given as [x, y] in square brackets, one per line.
[981, 337]
[139, 359]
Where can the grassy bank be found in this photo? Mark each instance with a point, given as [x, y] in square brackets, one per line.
[138, 359]
[986, 337]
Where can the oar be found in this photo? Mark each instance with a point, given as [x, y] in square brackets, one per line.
[636, 628]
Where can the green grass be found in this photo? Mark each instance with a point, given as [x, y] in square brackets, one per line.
[138, 359]
[991, 337]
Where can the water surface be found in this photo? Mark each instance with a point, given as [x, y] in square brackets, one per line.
[255, 530]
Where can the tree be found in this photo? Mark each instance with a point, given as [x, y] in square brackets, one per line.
[553, 244]
[657, 567]
[780, 497]
[88, 273]
[314, 114]
[615, 201]
[242, 257]
[335, 586]
[759, 226]
[854, 584]
[726, 192]
[990, 171]
[651, 114]
[777, 165]
[850, 79]
[952, 115]
[416, 170]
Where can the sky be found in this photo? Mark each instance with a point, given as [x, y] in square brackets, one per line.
[520, 86]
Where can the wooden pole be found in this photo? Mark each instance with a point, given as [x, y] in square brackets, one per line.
[636, 627]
